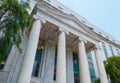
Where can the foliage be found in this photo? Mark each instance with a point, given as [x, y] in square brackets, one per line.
[14, 20]
[97, 81]
[112, 66]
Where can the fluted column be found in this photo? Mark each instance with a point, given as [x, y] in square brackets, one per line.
[100, 65]
[83, 63]
[28, 60]
[61, 59]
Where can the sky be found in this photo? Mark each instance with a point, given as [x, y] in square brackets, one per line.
[105, 14]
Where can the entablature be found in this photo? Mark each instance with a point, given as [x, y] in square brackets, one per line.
[67, 22]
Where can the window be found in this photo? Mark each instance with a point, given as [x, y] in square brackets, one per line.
[111, 49]
[99, 33]
[107, 37]
[76, 68]
[55, 64]
[118, 52]
[60, 7]
[105, 50]
[91, 68]
[37, 62]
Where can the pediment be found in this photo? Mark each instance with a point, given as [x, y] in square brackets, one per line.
[68, 19]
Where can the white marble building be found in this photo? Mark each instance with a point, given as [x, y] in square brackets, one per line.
[62, 47]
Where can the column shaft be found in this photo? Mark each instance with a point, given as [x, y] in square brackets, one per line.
[28, 60]
[61, 59]
[100, 65]
[83, 64]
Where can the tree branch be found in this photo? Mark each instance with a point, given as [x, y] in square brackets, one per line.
[5, 11]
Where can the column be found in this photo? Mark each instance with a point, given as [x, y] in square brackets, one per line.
[83, 63]
[61, 59]
[100, 65]
[28, 60]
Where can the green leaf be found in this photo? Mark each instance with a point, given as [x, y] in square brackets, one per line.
[16, 21]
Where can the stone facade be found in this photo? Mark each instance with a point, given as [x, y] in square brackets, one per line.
[50, 49]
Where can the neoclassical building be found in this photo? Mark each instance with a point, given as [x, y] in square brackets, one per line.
[61, 47]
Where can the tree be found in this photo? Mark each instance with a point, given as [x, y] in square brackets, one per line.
[14, 20]
[97, 80]
[112, 66]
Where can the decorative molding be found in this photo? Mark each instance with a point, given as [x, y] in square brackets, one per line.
[82, 39]
[63, 30]
[39, 18]
[98, 47]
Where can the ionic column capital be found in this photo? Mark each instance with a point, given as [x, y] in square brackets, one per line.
[82, 40]
[63, 30]
[97, 47]
[39, 18]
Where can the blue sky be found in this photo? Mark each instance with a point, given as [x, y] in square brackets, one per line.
[105, 14]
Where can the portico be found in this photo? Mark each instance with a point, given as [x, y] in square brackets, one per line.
[64, 39]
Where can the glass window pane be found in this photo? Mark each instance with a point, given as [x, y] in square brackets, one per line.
[91, 68]
[76, 68]
[37, 62]
[111, 49]
[105, 50]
